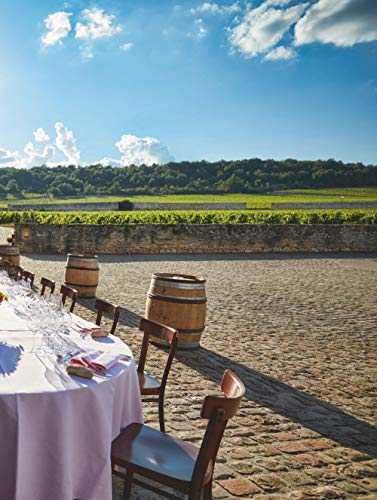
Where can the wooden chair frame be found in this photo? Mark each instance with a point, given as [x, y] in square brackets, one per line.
[72, 293]
[217, 410]
[28, 276]
[157, 393]
[103, 307]
[46, 283]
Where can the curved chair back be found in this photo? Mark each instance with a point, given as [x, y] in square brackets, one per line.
[103, 307]
[46, 283]
[149, 328]
[218, 410]
[72, 293]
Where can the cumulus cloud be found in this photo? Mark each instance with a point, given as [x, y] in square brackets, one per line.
[199, 31]
[342, 23]
[263, 27]
[110, 162]
[280, 53]
[44, 152]
[216, 8]
[29, 157]
[142, 151]
[126, 46]
[96, 24]
[40, 135]
[58, 26]
[66, 143]
[8, 158]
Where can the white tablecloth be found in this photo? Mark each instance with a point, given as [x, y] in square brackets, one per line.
[56, 430]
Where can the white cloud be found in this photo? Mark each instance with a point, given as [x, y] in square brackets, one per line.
[263, 28]
[110, 162]
[126, 46]
[44, 152]
[8, 158]
[58, 26]
[40, 135]
[29, 157]
[280, 53]
[66, 143]
[96, 24]
[200, 30]
[142, 151]
[342, 23]
[216, 9]
[134, 151]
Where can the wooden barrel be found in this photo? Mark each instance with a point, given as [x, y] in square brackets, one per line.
[178, 300]
[81, 272]
[10, 254]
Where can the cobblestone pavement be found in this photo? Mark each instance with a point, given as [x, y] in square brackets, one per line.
[302, 334]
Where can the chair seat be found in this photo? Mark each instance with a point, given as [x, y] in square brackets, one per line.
[149, 385]
[164, 456]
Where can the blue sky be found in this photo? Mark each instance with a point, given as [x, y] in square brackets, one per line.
[149, 80]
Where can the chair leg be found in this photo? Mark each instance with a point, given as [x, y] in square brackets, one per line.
[127, 486]
[194, 495]
[161, 413]
[207, 491]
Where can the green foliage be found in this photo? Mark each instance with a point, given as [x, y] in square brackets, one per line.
[194, 217]
[199, 177]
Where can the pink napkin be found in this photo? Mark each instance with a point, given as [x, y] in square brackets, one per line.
[98, 362]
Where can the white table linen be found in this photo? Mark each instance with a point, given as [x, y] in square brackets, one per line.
[56, 430]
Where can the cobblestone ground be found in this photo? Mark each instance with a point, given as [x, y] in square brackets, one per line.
[302, 334]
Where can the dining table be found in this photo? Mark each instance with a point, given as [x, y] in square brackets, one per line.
[56, 429]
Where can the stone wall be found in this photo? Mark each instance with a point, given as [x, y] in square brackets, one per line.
[115, 206]
[67, 207]
[190, 206]
[195, 238]
[324, 204]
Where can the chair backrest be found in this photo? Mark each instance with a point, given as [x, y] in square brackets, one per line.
[72, 293]
[46, 283]
[149, 328]
[15, 272]
[4, 265]
[28, 276]
[218, 410]
[103, 307]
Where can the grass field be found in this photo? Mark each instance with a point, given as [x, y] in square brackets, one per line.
[254, 201]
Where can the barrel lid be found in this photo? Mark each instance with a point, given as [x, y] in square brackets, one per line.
[82, 256]
[178, 278]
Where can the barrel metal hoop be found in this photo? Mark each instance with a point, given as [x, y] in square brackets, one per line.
[183, 300]
[188, 330]
[173, 278]
[178, 285]
[80, 285]
[82, 268]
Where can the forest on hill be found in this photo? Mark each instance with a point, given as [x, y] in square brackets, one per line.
[198, 177]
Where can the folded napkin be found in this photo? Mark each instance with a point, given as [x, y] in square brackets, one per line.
[98, 361]
[88, 327]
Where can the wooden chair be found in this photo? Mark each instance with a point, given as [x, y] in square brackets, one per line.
[72, 293]
[4, 265]
[170, 461]
[15, 272]
[103, 307]
[152, 390]
[28, 276]
[46, 283]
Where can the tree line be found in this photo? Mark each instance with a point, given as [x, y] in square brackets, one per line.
[197, 177]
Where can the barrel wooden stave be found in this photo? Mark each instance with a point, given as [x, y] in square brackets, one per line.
[82, 273]
[11, 254]
[178, 301]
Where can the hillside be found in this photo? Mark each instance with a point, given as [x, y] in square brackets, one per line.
[242, 176]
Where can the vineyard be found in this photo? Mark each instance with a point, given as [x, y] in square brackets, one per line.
[193, 217]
